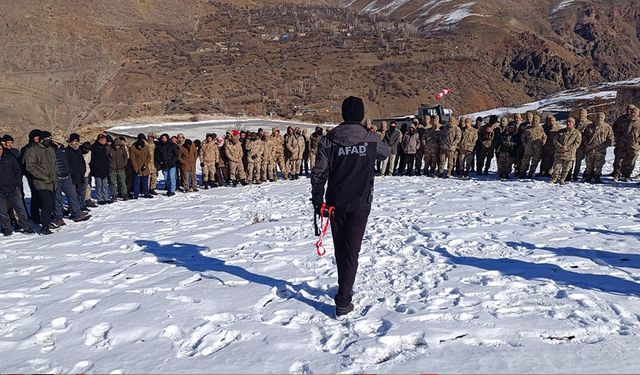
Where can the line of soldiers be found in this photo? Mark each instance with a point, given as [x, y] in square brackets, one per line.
[60, 170]
[523, 146]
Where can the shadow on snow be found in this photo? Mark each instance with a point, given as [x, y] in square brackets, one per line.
[190, 257]
[533, 271]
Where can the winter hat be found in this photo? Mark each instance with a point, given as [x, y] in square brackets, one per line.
[109, 138]
[152, 135]
[493, 119]
[101, 136]
[220, 141]
[7, 138]
[235, 133]
[353, 109]
[45, 134]
[34, 133]
[117, 142]
[142, 137]
[74, 137]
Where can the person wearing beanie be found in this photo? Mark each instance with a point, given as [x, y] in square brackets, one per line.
[167, 154]
[100, 169]
[152, 138]
[345, 162]
[65, 186]
[209, 161]
[78, 168]
[34, 206]
[7, 142]
[40, 162]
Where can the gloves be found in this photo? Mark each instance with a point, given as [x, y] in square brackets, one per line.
[317, 205]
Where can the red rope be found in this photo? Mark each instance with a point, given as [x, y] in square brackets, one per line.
[324, 227]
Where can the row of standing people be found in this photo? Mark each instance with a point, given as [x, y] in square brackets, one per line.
[65, 175]
[521, 145]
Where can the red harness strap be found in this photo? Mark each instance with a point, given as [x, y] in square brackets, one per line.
[324, 227]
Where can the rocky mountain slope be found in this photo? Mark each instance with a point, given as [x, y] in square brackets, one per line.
[70, 65]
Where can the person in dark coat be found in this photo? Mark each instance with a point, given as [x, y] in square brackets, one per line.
[78, 168]
[99, 166]
[10, 185]
[346, 161]
[65, 186]
[40, 162]
[118, 161]
[140, 159]
[34, 206]
[167, 158]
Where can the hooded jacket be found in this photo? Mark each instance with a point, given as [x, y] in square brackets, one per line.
[188, 157]
[99, 161]
[346, 159]
[76, 164]
[117, 157]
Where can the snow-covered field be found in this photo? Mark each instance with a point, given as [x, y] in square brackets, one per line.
[456, 276]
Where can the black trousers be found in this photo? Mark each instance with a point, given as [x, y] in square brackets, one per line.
[47, 200]
[34, 207]
[347, 228]
[12, 201]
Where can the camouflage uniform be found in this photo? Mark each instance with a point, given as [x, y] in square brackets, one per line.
[629, 146]
[566, 144]
[314, 140]
[255, 150]
[506, 150]
[581, 125]
[429, 141]
[153, 167]
[596, 138]
[295, 148]
[234, 153]
[210, 158]
[519, 152]
[619, 128]
[278, 153]
[533, 140]
[268, 168]
[450, 136]
[487, 138]
[465, 150]
[551, 129]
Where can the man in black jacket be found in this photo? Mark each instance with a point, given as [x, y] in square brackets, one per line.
[167, 158]
[10, 184]
[78, 168]
[65, 186]
[99, 166]
[346, 159]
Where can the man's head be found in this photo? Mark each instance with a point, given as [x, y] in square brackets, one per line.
[412, 130]
[517, 118]
[102, 139]
[504, 121]
[552, 121]
[479, 121]
[630, 108]
[571, 122]
[209, 138]
[427, 120]
[34, 136]
[536, 120]
[436, 120]
[319, 130]
[353, 109]
[635, 114]
[493, 119]
[7, 141]
[46, 139]
[152, 136]
[74, 140]
[384, 126]
[393, 125]
[181, 138]
[175, 140]
[601, 117]
[583, 114]
[530, 117]
[467, 123]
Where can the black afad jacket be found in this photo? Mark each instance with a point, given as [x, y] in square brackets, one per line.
[346, 159]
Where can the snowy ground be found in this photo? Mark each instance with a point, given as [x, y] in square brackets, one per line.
[456, 276]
